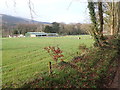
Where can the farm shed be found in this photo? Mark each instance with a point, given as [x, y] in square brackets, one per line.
[52, 34]
[39, 34]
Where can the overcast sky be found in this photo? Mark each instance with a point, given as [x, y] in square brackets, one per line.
[48, 10]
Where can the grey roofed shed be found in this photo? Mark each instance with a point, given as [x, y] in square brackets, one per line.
[37, 34]
[52, 34]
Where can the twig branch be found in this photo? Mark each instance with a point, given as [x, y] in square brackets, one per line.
[69, 4]
[6, 4]
[30, 8]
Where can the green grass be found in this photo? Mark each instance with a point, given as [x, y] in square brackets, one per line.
[23, 58]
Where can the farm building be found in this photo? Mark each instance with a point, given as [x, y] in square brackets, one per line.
[39, 34]
[52, 34]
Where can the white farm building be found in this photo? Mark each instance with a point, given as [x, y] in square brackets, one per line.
[39, 34]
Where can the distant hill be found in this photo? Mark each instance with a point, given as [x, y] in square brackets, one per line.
[7, 19]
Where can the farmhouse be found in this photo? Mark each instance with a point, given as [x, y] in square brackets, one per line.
[39, 34]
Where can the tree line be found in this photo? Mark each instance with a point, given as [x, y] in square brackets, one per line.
[60, 28]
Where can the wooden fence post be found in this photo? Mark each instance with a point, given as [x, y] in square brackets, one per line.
[50, 68]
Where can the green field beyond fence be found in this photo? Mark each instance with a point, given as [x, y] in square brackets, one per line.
[23, 58]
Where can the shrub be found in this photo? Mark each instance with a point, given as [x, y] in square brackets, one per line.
[55, 53]
[83, 49]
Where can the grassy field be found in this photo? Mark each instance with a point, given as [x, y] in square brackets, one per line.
[23, 58]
